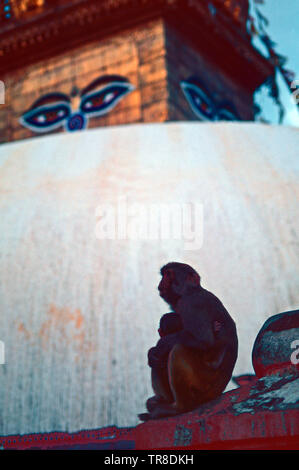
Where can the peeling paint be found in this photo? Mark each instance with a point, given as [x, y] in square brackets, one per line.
[182, 436]
[283, 397]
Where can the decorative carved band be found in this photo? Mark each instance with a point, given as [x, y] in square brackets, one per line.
[59, 22]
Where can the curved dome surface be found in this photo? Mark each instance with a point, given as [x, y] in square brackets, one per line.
[79, 310]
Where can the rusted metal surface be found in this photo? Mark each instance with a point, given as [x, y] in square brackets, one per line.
[78, 314]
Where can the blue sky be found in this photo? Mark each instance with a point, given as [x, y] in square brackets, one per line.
[282, 29]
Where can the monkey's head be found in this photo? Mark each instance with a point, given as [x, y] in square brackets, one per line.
[178, 279]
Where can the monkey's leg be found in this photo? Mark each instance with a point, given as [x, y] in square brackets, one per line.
[160, 384]
[163, 394]
[186, 383]
[185, 369]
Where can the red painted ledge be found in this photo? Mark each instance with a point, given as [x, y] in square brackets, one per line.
[263, 414]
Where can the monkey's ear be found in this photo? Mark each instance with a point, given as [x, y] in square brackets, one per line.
[193, 279]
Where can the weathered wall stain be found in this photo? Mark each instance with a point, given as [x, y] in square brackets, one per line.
[59, 319]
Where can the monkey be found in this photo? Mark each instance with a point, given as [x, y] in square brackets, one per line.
[169, 323]
[192, 364]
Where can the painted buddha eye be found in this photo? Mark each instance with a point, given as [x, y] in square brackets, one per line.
[101, 102]
[54, 110]
[199, 99]
[46, 114]
[226, 112]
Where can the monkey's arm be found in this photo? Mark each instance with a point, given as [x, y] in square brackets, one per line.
[158, 355]
[197, 325]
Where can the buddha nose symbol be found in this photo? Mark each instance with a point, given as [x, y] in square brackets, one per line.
[76, 122]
